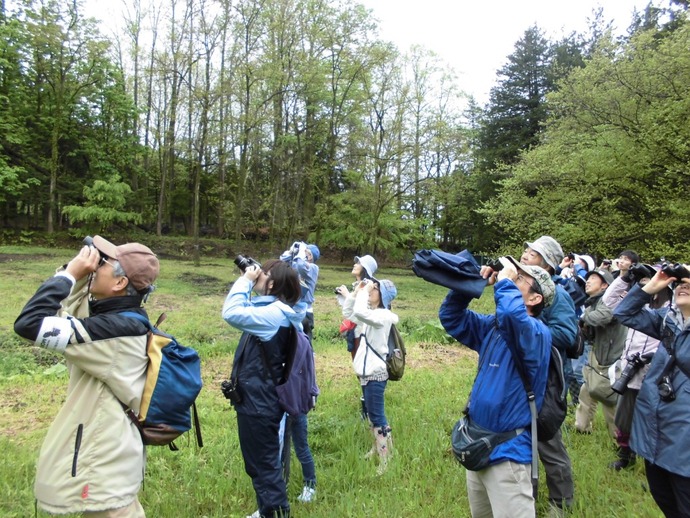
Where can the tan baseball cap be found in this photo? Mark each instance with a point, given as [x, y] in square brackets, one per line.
[138, 261]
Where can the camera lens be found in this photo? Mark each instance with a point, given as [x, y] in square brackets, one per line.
[666, 392]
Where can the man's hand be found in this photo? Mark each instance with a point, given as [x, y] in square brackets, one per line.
[84, 263]
[508, 271]
[489, 274]
[567, 262]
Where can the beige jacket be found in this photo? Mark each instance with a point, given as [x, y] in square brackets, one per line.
[93, 458]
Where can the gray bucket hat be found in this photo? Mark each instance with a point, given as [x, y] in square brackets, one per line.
[549, 249]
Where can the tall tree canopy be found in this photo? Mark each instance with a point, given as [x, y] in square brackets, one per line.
[280, 119]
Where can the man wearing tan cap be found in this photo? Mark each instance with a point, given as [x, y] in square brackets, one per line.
[498, 401]
[92, 459]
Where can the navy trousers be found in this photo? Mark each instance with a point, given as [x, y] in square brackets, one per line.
[260, 447]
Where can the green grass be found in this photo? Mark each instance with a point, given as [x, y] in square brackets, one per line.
[423, 479]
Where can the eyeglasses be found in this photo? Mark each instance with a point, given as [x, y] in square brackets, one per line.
[104, 260]
[534, 286]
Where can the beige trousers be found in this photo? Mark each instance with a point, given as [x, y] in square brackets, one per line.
[133, 510]
[587, 407]
[501, 491]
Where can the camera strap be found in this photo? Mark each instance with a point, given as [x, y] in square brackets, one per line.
[667, 342]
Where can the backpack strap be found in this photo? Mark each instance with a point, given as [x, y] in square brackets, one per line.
[141, 318]
[268, 371]
[531, 401]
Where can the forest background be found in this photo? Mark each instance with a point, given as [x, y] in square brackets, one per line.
[248, 123]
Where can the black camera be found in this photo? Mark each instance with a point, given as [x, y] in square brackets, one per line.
[495, 264]
[571, 256]
[231, 391]
[606, 262]
[243, 262]
[88, 241]
[635, 363]
[639, 271]
[675, 270]
[666, 392]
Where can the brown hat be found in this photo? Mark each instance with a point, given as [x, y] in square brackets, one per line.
[138, 261]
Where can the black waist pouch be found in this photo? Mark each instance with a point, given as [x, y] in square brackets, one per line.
[473, 444]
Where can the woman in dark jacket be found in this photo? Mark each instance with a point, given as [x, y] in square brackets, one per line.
[259, 360]
[662, 410]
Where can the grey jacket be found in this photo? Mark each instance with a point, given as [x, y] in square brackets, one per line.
[605, 332]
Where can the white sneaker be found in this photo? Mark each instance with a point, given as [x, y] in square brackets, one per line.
[308, 494]
[255, 514]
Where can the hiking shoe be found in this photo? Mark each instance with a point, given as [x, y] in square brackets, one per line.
[308, 494]
[255, 514]
[555, 511]
[626, 459]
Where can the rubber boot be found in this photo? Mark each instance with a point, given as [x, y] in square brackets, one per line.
[373, 451]
[384, 443]
[585, 411]
[626, 459]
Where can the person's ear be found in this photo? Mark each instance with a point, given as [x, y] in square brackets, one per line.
[121, 284]
[534, 299]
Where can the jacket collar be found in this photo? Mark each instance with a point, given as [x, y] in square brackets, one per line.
[114, 304]
[592, 300]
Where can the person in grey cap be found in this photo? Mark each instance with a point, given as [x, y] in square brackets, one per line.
[608, 340]
[92, 459]
[561, 318]
[498, 401]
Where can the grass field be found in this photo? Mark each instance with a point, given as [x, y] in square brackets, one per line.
[423, 480]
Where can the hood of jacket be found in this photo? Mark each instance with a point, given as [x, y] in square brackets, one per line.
[295, 314]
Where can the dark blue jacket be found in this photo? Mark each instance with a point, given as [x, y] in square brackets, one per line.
[561, 319]
[257, 375]
[660, 428]
[498, 400]
[265, 323]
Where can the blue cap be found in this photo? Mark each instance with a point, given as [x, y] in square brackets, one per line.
[315, 252]
[388, 292]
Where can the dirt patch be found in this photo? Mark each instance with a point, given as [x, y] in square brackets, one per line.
[208, 284]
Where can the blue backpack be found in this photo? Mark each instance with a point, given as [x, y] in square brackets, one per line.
[173, 382]
[298, 390]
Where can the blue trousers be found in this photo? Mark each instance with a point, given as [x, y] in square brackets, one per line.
[299, 430]
[373, 397]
